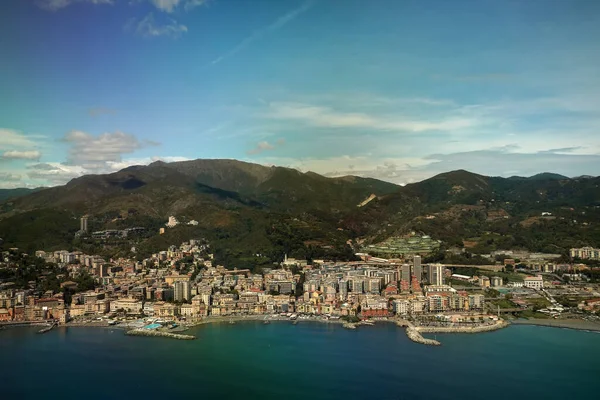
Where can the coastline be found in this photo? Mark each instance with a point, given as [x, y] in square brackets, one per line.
[413, 332]
[258, 318]
[576, 324]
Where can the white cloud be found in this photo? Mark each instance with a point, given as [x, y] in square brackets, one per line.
[191, 4]
[117, 166]
[12, 139]
[170, 6]
[94, 152]
[148, 27]
[54, 173]
[279, 23]
[326, 117]
[21, 155]
[165, 5]
[55, 5]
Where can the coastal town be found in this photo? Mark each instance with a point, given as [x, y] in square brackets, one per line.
[181, 287]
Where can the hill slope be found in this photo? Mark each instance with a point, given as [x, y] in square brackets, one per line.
[492, 212]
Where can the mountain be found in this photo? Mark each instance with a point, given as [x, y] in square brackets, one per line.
[491, 212]
[254, 214]
[255, 208]
[544, 176]
[6, 194]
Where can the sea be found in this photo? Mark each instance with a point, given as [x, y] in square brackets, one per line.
[252, 360]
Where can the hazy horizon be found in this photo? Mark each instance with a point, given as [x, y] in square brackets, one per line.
[395, 90]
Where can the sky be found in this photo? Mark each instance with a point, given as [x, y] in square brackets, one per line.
[397, 90]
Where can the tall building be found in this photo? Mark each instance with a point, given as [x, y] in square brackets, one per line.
[435, 275]
[405, 278]
[182, 291]
[418, 269]
[84, 224]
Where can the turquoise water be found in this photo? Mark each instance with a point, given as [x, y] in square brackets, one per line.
[303, 361]
[152, 326]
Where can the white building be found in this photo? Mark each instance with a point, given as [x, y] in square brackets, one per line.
[436, 274]
[172, 222]
[401, 307]
[533, 282]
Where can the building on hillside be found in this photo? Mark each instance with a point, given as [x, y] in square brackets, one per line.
[172, 222]
[83, 224]
[534, 282]
[484, 282]
[585, 253]
[496, 281]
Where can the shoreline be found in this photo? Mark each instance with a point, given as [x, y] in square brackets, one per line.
[413, 332]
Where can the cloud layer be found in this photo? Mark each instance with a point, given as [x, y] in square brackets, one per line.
[21, 155]
[55, 5]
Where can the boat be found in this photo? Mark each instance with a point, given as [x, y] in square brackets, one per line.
[231, 322]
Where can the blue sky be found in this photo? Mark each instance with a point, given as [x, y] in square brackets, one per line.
[393, 89]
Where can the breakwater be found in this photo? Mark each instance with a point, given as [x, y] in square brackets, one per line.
[467, 329]
[414, 335]
[155, 333]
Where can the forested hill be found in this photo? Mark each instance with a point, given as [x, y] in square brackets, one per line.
[248, 210]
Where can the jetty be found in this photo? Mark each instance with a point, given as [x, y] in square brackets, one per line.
[466, 329]
[156, 333]
[414, 333]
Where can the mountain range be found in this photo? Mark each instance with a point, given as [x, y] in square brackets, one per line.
[254, 214]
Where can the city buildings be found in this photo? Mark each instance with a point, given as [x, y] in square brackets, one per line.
[181, 282]
[585, 253]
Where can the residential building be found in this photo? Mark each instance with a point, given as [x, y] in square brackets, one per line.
[435, 274]
[534, 282]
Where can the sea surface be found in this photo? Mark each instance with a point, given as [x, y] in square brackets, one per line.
[251, 360]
